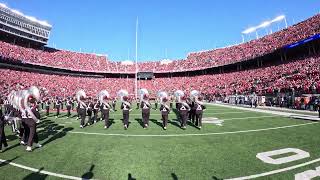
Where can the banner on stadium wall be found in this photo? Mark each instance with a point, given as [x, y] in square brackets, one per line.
[317, 36]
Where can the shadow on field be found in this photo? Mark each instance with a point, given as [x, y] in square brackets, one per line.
[12, 146]
[174, 176]
[156, 122]
[89, 174]
[51, 131]
[174, 122]
[56, 135]
[8, 161]
[11, 137]
[216, 178]
[191, 124]
[36, 175]
[139, 120]
[130, 177]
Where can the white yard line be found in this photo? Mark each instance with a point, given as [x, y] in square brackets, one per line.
[203, 134]
[41, 171]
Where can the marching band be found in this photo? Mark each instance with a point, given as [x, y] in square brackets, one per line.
[22, 110]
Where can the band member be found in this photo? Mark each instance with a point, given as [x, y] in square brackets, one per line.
[138, 103]
[101, 114]
[6, 106]
[72, 104]
[69, 104]
[156, 104]
[30, 133]
[192, 112]
[89, 111]
[42, 104]
[82, 113]
[184, 108]
[47, 103]
[62, 102]
[178, 111]
[58, 106]
[3, 139]
[54, 104]
[105, 109]
[199, 108]
[77, 105]
[126, 108]
[96, 110]
[145, 106]
[114, 102]
[165, 110]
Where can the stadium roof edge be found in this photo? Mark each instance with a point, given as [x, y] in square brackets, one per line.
[31, 18]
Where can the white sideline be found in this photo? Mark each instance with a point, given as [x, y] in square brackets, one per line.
[181, 135]
[41, 171]
[285, 114]
[276, 171]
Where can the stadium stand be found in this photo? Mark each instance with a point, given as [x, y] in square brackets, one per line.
[303, 75]
[195, 61]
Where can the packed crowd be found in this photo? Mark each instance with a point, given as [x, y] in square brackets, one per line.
[301, 75]
[198, 60]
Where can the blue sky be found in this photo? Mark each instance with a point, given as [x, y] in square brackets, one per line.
[180, 26]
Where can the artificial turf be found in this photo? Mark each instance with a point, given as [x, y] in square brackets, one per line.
[115, 154]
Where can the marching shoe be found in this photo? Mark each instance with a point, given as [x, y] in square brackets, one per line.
[38, 145]
[56, 117]
[125, 127]
[81, 126]
[95, 122]
[29, 149]
[22, 143]
[165, 128]
[105, 127]
[199, 127]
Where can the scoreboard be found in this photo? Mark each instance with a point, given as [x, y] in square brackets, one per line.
[145, 75]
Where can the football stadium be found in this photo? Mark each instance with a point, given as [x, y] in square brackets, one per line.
[245, 110]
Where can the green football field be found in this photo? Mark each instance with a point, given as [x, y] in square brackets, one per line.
[214, 152]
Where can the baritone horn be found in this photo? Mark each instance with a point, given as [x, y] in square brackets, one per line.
[163, 97]
[178, 94]
[123, 94]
